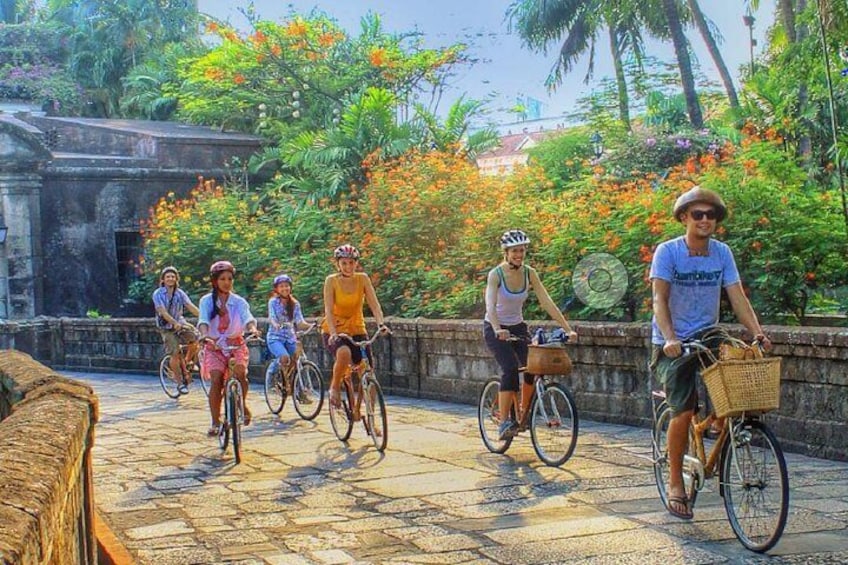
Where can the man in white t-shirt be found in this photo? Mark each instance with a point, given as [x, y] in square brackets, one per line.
[687, 275]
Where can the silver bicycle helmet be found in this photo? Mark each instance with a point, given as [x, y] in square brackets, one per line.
[514, 238]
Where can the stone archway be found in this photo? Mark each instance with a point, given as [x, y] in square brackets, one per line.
[22, 158]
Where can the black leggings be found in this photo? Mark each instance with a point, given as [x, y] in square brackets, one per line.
[510, 355]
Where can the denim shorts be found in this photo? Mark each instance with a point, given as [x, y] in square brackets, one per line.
[280, 348]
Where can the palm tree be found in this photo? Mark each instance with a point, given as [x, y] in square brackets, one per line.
[452, 134]
[684, 63]
[541, 22]
[710, 40]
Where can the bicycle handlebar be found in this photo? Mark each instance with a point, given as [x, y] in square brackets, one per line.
[563, 339]
[368, 341]
[247, 341]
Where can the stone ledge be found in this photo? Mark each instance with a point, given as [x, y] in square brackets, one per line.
[45, 470]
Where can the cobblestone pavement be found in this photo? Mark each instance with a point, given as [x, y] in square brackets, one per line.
[435, 496]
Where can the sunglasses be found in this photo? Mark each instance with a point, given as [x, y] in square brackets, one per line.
[698, 215]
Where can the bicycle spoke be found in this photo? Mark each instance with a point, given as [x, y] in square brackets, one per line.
[554, 425]
[488, 418]
[755, 486]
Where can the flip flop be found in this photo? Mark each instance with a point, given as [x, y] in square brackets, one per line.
[247, 417]
[212, 431]
[676, 501]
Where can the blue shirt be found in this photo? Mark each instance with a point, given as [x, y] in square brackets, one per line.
[174, 305]
[277, 313]
[696, 284]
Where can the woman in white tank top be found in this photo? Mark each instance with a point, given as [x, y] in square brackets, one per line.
[507, 288]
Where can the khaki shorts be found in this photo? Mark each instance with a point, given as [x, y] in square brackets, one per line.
[173, 339]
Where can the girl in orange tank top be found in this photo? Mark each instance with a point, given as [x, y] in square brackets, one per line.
[345, 294]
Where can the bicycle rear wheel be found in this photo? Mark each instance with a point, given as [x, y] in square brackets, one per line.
[308, 391]
[169, 381]
[660, 452]
[660, 455]
[236, 418]
[554, 425]
[340, 416]
[376, 420]
[489, 419]
[755, 485]
[275, 388]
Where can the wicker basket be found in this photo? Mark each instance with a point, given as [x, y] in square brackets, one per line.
[736, 386]
[548, 360]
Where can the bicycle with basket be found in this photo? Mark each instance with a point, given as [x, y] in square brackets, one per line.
[552, 415]
[746, 457]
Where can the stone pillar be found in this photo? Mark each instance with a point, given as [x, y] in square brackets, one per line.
[22, 157]
[20, 195]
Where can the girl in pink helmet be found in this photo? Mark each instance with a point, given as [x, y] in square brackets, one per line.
[224, 318]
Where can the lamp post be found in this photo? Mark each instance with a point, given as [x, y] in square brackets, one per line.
[748, 19]
[597, 144]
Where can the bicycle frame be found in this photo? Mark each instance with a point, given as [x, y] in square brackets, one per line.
[362, 368]
[706, 464]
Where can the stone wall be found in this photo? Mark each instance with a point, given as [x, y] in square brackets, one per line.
[46, 434]
[447, 360]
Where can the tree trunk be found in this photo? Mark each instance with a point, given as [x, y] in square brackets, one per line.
[620, 80]
[701, 23]
[681, 49]
[787, 18]
[805, 144]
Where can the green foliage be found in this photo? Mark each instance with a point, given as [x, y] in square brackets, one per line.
[564, 157]
[649, 152]
[31, 67]
[107, 38]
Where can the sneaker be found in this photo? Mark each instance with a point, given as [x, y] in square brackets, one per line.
[506, 430]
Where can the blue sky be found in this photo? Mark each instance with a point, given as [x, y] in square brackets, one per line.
[506, 70]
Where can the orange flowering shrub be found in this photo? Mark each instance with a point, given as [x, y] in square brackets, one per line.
[428, 226]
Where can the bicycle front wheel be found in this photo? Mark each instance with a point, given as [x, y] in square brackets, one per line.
[755, 485]
[340, 416]
[236, 418]
[376, 420]
[489, 418]
[308, 391]
[275, 389]
[169, 381]
[554, 425]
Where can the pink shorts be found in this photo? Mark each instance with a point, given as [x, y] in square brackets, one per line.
[217, 360]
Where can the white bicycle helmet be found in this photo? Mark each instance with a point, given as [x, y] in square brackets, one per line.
[514, 238]
[346, 251]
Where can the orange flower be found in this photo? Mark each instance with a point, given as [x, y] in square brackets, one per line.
[763, 221]
[757, 246]
[238, 79]
[377, 57]
[810, 277]
[213, 74]
[276, 50]
[211, 27]
[326, 40]
[296, 28]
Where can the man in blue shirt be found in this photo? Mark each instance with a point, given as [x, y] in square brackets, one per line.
[687, 275]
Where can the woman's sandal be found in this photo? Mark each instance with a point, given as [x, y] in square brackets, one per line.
[674, 504]
[212, 431]
[335, 398]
